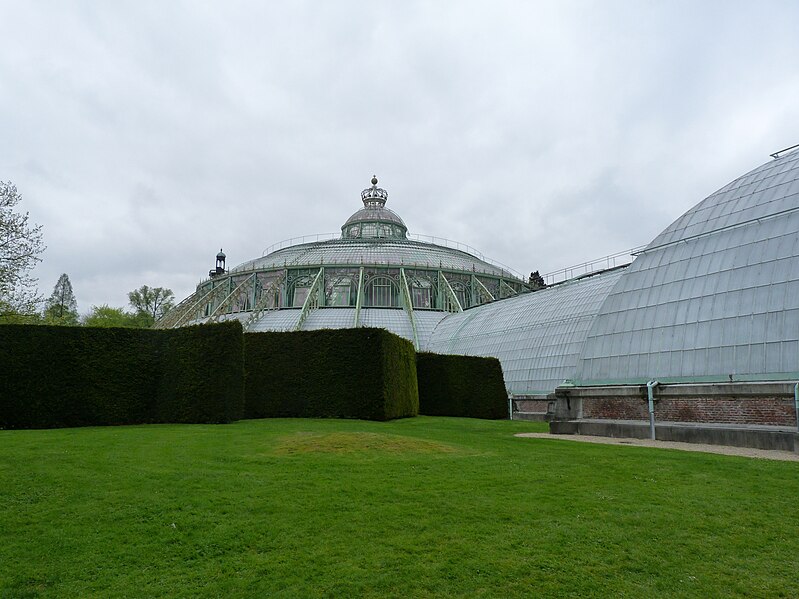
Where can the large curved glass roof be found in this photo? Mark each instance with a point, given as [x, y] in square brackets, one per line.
[375, 236]
[715, 297]
[536, 336]
[357, 252]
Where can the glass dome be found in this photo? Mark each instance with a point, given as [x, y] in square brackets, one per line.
[372, 275]
[374, 220]
[715, 297]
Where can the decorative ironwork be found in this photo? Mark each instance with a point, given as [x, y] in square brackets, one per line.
[450, 299]
[339, 286]
[374, 195]
[409, 307]
[192, 312]
[359, 300]
[482, 291]
[268, 293]
[222, 308]
[312, 299]
[170, 318]
[506, 290]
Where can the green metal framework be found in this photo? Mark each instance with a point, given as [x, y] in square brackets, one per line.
[408, 304]
[372, 265]
[359, 299]
[450, 301]
[313, 299]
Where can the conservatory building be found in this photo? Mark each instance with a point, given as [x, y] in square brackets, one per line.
[372, 275]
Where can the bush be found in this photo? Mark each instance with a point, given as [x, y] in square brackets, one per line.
[78, 376]
[337, 373]
[203, 377]
[461, 386]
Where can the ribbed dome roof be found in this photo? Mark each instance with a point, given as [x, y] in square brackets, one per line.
[715, 296]
[375, 214]
[378, 252]
[375, 236]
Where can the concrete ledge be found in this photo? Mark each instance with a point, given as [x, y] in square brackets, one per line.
[531, 416]
[760, 437]
[564, 427]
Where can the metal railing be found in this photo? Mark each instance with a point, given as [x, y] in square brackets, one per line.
[432, 239]
[300, 240]
[584, 268]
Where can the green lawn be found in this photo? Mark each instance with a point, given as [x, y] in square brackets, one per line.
[424, 507]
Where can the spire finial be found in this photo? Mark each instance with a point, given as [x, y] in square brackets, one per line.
[374, 179]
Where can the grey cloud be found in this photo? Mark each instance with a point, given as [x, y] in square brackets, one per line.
[146, 135]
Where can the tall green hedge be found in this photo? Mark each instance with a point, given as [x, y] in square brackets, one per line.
[54, 376]
[461, 386]
[203, 378]
[338, 373]
[78, 376]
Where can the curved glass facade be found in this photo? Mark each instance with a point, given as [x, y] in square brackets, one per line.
[715, 297]
[536, 336]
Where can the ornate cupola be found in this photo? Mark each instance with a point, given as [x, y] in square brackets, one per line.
[374, 195]
[374, 220]
[220, 264]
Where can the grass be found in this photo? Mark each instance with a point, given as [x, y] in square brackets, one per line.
[438, 507]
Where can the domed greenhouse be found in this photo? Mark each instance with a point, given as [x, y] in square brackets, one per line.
[374, 274]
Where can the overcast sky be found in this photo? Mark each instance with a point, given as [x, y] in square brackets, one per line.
[146, 135]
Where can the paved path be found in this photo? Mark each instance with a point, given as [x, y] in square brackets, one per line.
[749, 452]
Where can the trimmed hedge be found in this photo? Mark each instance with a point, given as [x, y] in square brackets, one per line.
[53, 376]
[334, 373]
[203, 378]
[467, 386]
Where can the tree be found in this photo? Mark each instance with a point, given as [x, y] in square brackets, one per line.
[536, 281]
[20, 246]
[152, 302]
[106, 316]
[62, 307]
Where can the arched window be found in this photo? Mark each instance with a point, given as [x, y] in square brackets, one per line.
[300, 293]
[300, 288]
[340, 291]
[382, 292]
[463, 293]
[421, 294]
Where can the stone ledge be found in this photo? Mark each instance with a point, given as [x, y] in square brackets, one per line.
[531, 416]
[734, 389]
[757, 436]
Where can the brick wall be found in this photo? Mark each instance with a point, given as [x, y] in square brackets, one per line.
[777, 411]
[611, 408]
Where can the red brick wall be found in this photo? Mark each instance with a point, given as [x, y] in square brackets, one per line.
[615, 409]
[748, 410]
